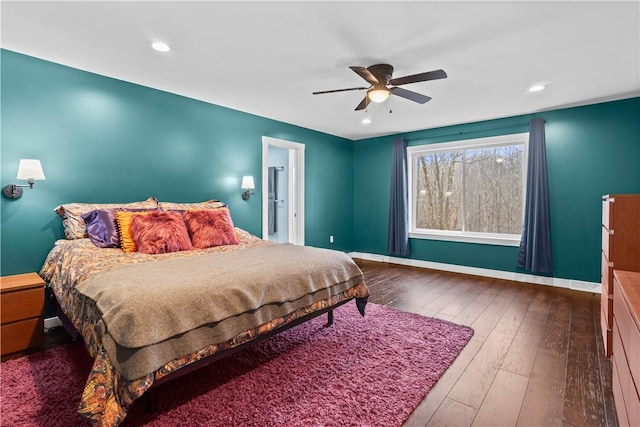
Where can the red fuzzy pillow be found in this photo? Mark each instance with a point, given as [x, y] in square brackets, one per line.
[160, 232]
[210, 227]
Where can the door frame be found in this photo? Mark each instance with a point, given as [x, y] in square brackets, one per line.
[295, 218]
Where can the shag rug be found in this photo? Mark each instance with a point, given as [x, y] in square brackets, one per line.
[370, 371]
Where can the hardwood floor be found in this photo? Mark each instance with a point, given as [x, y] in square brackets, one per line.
[536, 358]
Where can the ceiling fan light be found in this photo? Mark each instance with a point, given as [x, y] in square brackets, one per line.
[378, 94]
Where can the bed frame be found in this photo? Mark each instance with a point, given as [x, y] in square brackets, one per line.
[150, 396]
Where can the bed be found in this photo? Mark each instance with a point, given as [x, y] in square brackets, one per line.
[146, 318]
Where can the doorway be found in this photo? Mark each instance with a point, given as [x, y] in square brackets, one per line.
[283, 190]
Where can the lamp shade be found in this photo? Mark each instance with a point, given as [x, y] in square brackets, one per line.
[247, 183]
[30, 169]
[378, 94]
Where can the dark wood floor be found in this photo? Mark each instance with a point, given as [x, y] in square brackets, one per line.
[536, 358]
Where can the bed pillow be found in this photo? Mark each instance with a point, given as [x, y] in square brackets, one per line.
[209, 204]
[101, 228]
[123, 222]
[74, 225]
[160, 232]
[210, 227]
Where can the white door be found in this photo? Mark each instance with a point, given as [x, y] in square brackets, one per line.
[295, 191]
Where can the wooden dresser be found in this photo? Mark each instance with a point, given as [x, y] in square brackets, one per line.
[620, 251]
[22, 314]
[626, 346]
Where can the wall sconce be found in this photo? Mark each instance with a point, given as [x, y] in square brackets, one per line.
[247, 186]
[29, 169]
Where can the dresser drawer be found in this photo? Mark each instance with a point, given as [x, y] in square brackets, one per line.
[22, 335]
[622, 318]
[606, 311]
[620, 359]
[607, 244]
[606, 276]
[633, 410]
[629, 334]
[21, 304]
[634, 358]
[606, 212]
[626, 387]
[607, 335]
[618, 399]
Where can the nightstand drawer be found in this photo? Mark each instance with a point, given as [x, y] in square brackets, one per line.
[19, 305]
[22, 335]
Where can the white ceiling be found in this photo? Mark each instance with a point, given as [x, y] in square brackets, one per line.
[267, 57]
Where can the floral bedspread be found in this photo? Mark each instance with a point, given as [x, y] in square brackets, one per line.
[107, 394]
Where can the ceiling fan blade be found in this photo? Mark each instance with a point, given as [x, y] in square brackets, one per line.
[365, 74]
[339, 90]
[422, 77]
[363, 104]
[410, 95]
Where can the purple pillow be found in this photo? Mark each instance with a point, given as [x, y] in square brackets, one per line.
[101, 228]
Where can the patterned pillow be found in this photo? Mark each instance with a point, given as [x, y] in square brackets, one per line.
[209, 204]
[74, 225]
[160, 232]
[123, 221]
[210, 227]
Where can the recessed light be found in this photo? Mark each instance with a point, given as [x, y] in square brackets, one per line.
[366, 120]
[161, 47]
[536, 88]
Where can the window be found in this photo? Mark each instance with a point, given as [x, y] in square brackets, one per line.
[470, 190]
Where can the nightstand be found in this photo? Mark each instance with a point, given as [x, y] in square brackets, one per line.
[21, 314]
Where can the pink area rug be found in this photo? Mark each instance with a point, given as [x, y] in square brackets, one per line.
[370, 371]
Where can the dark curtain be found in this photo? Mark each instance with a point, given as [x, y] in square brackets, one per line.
[398, 238]
[534, 254]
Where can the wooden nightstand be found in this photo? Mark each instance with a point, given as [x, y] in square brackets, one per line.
[21, 314]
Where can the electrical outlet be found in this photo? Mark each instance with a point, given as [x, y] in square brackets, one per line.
[330, 239]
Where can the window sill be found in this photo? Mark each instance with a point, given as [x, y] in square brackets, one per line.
[497, 239]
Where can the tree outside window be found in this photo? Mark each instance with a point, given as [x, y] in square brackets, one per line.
[471, 187]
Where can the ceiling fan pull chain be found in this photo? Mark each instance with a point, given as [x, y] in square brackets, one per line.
[390, 110]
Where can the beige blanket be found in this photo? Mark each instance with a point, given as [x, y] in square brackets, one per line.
[154, 312]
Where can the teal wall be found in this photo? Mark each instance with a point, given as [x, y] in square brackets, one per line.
[591, 151]
[105, 140]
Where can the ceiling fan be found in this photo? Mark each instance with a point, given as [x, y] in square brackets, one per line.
[379, 77]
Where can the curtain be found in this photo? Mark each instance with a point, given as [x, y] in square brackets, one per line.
[398, 236]
[534, 254]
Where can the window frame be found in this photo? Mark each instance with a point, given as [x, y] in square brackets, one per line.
[464, 236]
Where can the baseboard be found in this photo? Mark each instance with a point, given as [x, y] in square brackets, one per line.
[485, 272]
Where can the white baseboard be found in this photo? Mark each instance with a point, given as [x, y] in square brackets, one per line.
[485, 272]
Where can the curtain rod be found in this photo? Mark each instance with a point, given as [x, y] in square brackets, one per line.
[468, 131]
